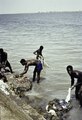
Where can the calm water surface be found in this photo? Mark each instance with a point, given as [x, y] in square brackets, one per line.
[61, 36]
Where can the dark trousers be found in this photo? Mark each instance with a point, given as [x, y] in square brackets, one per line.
[80, 98]
[77, 91]
[38, 75]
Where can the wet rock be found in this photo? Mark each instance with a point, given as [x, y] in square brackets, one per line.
[19, 85]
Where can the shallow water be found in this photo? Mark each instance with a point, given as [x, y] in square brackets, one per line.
[61, 36]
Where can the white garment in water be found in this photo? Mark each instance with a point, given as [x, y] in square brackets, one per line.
[68, 95]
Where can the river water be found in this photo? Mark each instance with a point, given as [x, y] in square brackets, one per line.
[61, 35]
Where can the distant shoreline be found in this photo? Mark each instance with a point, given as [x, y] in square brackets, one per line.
[42, 12]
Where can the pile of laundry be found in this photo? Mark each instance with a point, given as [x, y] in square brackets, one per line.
[57, 109]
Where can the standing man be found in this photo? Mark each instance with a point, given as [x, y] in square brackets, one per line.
[75, 74]
[38, 53]
[37, 69]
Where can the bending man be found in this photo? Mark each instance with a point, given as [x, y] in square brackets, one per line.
[75, 74]
[37, 69]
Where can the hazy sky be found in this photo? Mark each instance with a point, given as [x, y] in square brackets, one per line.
[32, 6]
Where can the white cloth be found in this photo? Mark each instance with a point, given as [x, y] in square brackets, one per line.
[4, 87]
[68, 95]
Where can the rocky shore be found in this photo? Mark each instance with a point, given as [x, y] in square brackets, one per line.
[16, 102]
[18, 106]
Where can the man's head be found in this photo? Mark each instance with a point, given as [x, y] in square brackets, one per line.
[41, 47]
[23, 61]
[69, 69]
[1, 50]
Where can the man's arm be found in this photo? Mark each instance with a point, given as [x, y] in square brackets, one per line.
[41, 56]
[35, 52]
[25, 71]
[72, 81]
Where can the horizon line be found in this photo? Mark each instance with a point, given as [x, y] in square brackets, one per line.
[40, 12]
